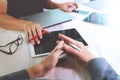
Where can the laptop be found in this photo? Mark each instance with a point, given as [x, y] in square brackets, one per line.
[49, 18]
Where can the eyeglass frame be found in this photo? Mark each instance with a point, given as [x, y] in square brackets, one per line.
[16, 42]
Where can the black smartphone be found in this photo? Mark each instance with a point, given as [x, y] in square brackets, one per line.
[96, 18]
[48, 42]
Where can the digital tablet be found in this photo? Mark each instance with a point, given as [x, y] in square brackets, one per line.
[48, 42]
[96, 18]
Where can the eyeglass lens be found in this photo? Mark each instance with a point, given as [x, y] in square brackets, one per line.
[12, 45]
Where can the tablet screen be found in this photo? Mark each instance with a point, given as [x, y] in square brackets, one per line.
[48, 42]
[96, 18]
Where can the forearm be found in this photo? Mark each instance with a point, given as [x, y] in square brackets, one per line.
[100, 70]
[52, 5]
[35, 71]
[9, 22]
[3, 6]
[30, 73]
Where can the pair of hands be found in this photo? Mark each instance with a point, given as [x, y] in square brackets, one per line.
[35, 30]
[51, 60]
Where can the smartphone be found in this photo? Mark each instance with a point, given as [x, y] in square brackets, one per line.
[96, 18]
[48, 42]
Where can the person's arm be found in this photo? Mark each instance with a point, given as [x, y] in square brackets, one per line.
[47, 64]
[8, 22]
[63, 6]
[101, 70]
[3, 6]
[31, 29]
[39, 70]
[98, 67]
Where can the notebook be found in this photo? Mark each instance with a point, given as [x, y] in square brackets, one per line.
[49, 18]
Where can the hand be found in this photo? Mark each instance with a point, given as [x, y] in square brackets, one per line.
[66, 6]
[83, 54]
[48, 63]
[31, 30]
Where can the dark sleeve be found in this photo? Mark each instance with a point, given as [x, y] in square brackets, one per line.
[101, 70]
[19, 75]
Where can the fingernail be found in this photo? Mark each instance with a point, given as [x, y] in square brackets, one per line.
[38, 42]
[40, 37]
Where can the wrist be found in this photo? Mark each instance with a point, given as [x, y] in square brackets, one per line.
[91, 57]
[23, 23]
[86, 58]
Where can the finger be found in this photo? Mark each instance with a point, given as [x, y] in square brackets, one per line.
[57, 41]
[33, 29]
[44, 31]
[71, 8]
[71, 50]
[60, 44]
[75, 4]
[74, 7]
[32, 42]
[35, 33]
[67, 39]
[70, 40]
[58, 49]
[39, 30]
[37, 41]
[27, 35]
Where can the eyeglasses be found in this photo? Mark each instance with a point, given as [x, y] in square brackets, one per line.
[12, 46]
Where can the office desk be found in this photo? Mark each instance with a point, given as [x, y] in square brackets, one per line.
[103, 41]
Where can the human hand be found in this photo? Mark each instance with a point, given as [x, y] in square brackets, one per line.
[66, 6]
[33, 32]
[84, 54]
[48, 63]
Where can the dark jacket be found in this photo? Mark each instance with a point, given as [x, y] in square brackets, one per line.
[20, 8]
[101, 70]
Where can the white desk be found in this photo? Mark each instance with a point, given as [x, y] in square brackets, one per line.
[104, 40]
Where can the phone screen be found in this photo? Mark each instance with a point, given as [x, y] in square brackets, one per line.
[48, 42]
[96, 18]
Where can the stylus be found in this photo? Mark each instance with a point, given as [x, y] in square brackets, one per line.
[74, 46]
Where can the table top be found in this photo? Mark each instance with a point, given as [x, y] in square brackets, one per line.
[103, 41]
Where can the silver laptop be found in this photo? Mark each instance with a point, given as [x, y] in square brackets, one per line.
[49, 18]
